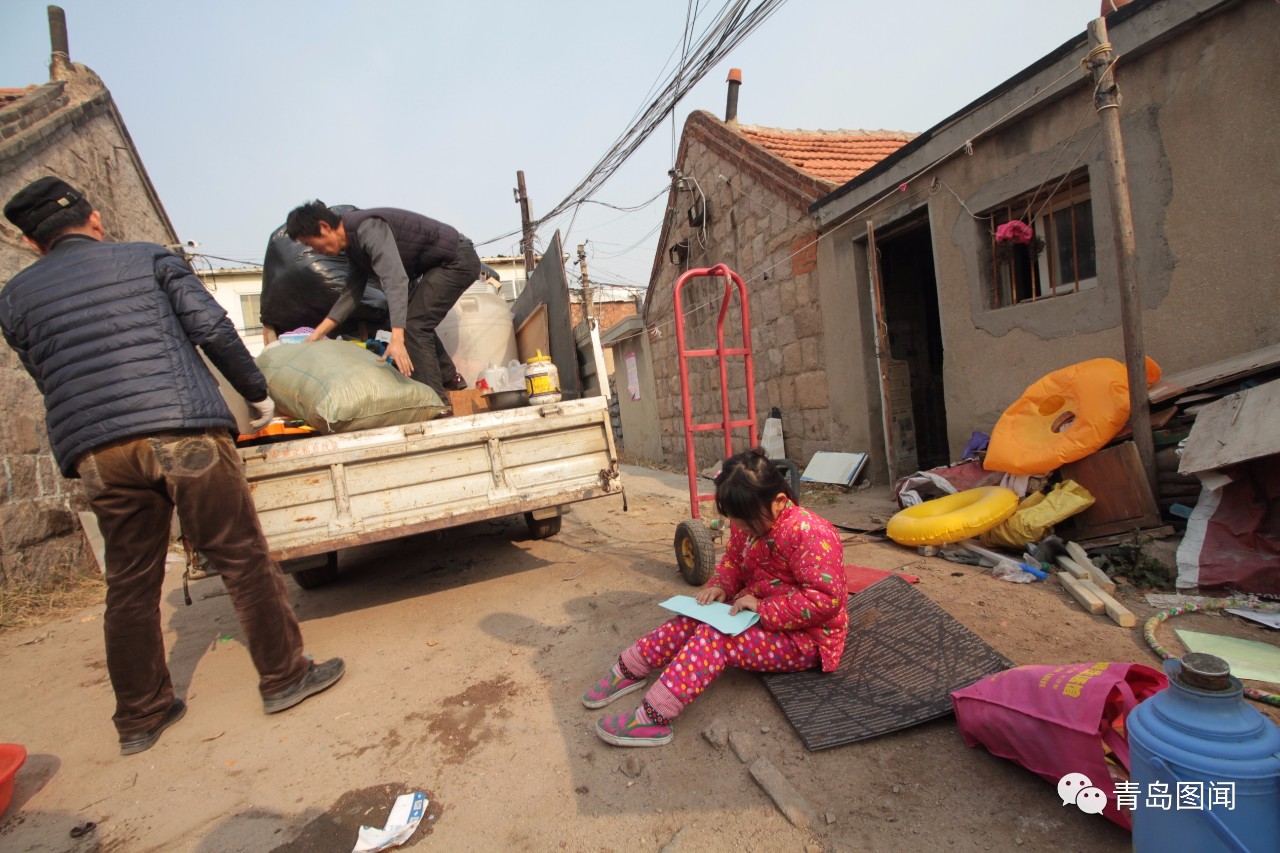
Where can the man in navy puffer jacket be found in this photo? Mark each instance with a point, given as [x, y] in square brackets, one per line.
[109, 333]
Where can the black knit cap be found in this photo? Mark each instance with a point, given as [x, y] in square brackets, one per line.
[39, 200]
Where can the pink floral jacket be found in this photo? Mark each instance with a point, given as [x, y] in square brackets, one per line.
[797, 573]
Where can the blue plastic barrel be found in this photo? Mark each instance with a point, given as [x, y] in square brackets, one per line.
[1216, 756]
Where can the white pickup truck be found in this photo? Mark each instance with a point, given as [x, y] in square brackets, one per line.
[319, 494]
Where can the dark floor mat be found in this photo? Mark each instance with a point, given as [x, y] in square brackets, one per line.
[903, 657]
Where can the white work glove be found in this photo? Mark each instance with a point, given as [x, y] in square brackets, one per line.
[266, 410]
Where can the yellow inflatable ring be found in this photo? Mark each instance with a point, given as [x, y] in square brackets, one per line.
[951, 518]
[1063, 417]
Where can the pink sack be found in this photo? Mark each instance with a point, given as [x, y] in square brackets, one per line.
[1055, 720]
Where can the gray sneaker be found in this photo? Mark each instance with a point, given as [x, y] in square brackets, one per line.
[131, 744]
[320, 677]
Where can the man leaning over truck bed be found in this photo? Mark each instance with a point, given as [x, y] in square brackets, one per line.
[108, 332]
[396, 246]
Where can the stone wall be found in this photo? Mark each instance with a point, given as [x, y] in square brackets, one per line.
[759, 227]
[70, 128]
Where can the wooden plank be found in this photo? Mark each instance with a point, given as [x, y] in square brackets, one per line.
[1237, 428]
[1087, 598]
[1217, 373]
[547, 286]
[1162, 532]
[1073, 568]
[1122, 496]
[1117, 611]
[1097, 575]
[532, 335]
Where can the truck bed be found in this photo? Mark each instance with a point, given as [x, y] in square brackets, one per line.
[321, 494]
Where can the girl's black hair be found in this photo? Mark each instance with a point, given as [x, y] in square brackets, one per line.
[747, 484]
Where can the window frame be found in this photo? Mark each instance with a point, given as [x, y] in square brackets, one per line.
[1009, 262]
[251, 325]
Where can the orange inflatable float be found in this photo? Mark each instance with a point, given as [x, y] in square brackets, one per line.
[1063, 417]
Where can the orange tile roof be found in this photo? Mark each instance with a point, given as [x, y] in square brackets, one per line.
[835, 156]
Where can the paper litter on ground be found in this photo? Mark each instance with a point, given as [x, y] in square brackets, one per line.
[715, 614]
[405, 816]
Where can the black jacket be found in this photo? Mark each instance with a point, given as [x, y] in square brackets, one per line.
[108, 331]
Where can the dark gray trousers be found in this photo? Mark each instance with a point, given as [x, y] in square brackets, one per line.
[437, 291]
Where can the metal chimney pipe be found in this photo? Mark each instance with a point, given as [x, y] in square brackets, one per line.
[61, 57]
[731, 105]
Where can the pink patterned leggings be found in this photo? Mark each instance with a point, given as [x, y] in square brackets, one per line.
[695, 654]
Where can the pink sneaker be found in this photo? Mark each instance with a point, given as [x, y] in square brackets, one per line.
[625, 730]
[609, 688]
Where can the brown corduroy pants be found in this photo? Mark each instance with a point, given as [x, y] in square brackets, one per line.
[133, 487]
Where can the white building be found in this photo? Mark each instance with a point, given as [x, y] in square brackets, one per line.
[239, 292]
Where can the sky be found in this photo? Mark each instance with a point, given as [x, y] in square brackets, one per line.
[243, 110]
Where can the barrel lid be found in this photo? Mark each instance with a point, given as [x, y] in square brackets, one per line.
[1205, 672]
[539, 357]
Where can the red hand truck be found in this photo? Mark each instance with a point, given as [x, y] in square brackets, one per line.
[694, 539]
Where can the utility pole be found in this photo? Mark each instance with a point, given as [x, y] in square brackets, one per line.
[588, 307]
[1107, 103]
[526, 224]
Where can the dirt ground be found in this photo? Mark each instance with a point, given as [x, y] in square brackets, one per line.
[466, 655]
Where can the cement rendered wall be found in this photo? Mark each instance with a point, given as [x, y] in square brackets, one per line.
[1198, 114]
[765, 236]
[640, 439]
[67, 128]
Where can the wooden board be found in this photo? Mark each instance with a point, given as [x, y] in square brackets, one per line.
[1081, 593]
[549, 288]
[1122, 498]
[1217, 373]
[1117, 611]
[532, 336]
[1237, 428]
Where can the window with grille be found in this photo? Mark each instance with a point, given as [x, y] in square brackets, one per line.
[251, 312]
[1059, 258]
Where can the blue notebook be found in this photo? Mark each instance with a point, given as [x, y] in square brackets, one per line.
[715, 614]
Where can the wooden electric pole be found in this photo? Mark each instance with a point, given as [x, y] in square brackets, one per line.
[526, 224]
[588, 307]
[1107, 103]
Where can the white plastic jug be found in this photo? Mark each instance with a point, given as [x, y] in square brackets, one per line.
[771, 441]
[478, 331]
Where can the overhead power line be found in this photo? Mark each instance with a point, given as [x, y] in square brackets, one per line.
[734, 22]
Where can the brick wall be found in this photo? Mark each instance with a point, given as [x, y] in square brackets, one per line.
[69, 128]
[606, 313]
[759, 226]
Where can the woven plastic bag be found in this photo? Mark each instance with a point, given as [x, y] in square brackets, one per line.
[1056, 720]
[1037, 515]
[336, 386]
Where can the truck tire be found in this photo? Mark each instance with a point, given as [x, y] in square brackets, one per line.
[542, 528]
[695, 551]
[320, 575]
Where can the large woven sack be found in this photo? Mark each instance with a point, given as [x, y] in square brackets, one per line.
[1056, 720]
[337, 386]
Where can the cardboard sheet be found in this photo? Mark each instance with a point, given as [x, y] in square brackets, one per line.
[1247, 658]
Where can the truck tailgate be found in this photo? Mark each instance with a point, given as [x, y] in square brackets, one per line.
[324, 493]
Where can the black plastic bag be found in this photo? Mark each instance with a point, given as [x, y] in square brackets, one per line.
[299, 287]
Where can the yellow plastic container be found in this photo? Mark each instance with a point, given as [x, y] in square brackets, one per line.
[541, 380]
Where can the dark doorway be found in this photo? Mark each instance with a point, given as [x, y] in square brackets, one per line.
[915, 332]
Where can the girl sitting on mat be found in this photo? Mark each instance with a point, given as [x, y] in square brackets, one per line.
[783, 562]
